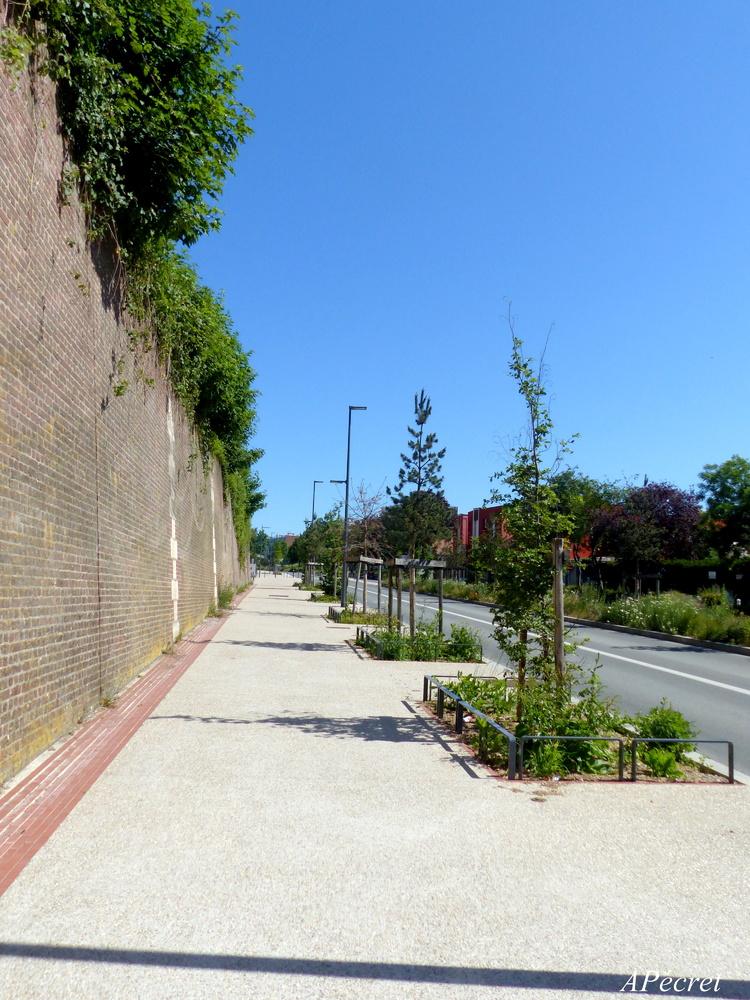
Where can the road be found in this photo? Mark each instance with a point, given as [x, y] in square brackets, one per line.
[710, 687]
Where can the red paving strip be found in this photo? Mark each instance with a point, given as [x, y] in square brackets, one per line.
[32, 810]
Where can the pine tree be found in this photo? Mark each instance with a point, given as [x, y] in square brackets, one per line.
[418, 517]
[423, 467]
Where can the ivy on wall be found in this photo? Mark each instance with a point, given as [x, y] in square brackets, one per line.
[147, 102]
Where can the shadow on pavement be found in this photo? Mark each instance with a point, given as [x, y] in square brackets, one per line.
[307, 647]
[530, 979]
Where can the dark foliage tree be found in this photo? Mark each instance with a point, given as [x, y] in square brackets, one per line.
[654, 522]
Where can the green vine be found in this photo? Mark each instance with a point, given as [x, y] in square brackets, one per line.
[207, 366]
[148, 105]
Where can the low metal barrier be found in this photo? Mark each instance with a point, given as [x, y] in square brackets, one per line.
[665, 739]
[442, 691]
[587, 739]
[516, 745]
[369, 641]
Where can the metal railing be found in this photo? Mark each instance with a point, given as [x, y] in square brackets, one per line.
[588, 739]
[369, 641]
[666, 739]
[460, 705]
[516, 745]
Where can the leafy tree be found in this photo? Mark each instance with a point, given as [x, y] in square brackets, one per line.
[580, 498]
[654, 522]
[726, 491]
[279, 551]
[413, 523]
[417, 517]
[322, 542]
[518, 555]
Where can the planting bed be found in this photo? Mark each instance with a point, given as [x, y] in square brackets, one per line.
[691, 772]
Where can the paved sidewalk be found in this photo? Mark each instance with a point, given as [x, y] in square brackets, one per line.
[286, 824]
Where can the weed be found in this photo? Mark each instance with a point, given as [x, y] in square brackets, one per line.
[464, 645]
[662, 764]
[546, 759]
[665, 722]
[225, 594]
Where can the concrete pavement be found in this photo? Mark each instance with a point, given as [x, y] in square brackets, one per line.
[287, 824]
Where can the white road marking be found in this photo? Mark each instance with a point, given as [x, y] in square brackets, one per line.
[666, 670]
[453, 614]
[617, 656]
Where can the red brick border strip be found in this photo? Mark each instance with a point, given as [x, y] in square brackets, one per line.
[32, 810]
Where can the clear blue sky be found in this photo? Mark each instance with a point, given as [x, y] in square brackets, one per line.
[417, 164]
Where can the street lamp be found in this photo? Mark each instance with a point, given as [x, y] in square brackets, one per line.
[339, 482]
[344, 581]
[315, 483]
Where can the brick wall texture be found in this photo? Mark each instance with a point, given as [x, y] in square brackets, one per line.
[113, 538]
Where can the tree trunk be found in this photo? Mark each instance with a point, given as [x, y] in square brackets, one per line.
[412, 601]
[523, 635]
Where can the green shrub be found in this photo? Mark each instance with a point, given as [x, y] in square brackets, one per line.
[547, 711]
[546, 759]
[457, 589]
[584, 602]
[393, 645]
[362, 618]
[665, 722]
[427, 642]
[662, 764]
[713, 597]
[464, 645]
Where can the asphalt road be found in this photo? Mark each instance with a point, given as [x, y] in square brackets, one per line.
[710, 687]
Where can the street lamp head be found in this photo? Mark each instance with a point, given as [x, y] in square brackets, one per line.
[341, 481]
[357, 407]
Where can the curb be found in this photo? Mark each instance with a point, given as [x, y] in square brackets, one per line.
[684, 640]
[715, 767]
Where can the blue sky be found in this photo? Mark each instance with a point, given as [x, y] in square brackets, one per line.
[418, 164]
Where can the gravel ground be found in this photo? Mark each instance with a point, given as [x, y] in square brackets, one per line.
[288, 824]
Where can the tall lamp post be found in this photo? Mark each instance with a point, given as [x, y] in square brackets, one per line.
[312, 522]
[344, 580]
[338, 482]
[316, 482]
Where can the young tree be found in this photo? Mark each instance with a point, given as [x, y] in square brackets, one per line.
[322, 542]
[279, 551]
[366, 527]
[726, 491]
[518, 555]
[417, 517]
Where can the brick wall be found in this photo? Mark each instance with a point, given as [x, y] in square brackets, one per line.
[112, 537]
